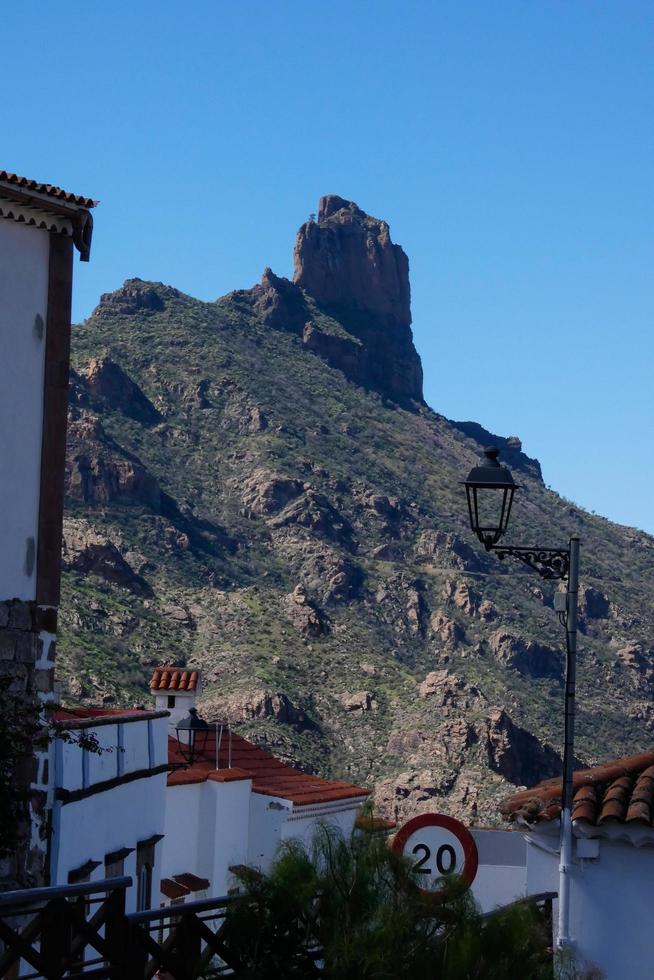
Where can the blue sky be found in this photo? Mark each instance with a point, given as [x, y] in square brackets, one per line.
[510, 145]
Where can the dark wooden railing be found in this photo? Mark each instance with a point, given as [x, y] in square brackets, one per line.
[82, 931]
[182, 940]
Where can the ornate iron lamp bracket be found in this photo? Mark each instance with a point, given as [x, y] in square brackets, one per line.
[550, 563]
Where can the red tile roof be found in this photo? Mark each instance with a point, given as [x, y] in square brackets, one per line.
[174, 679]
[75, 714]
[269, 776]
[49, 190]
[620, 792]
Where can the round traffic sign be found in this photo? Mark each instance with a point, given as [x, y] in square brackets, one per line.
[438, 846]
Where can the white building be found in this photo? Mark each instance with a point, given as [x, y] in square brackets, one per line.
[234, 803]
[142, 806]
[175, 690]
[613, 813]
[40, 226]
[108, 808]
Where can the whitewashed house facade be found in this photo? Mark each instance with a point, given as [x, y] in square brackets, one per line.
[40, 228]
[128, 799]
[108, 805]
[613, 867]
[234, 803]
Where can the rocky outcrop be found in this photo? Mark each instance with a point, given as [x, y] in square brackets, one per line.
[359, 701]
[402, 603]
[279, 303]
[450, 633]
[593, 604]
[258, 704]
[135, 296]
[347, 262]
[266, 493]
[526, 656]
[92, 553]
[303, 613]
[96, 480]
[105, 379]
[465, 598]
[446, 550]
[314, 512]
[515, 753]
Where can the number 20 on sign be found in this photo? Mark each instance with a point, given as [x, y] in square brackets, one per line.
[438, 846]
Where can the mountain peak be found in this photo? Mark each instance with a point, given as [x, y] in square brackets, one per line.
[348, 263]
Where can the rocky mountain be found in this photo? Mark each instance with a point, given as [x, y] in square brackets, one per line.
[256, 487]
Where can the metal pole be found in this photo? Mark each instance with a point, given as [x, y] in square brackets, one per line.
[565, 865]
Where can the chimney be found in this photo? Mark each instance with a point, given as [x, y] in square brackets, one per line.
[175, 689]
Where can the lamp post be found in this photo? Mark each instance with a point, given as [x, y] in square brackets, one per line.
[490, 489]
[192, 733]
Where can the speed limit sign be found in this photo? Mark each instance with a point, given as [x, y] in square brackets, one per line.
[437, 846]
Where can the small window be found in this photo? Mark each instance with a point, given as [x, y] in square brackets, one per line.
[114, 863]
[144, 867]
[144, 888]
[171, 700]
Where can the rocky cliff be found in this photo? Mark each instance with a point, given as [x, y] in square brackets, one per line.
[347, 262]
[255, 487]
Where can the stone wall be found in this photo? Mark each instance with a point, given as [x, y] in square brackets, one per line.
[27, 651]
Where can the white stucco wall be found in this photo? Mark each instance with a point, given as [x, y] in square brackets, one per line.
[267, 817]
[184, 701]
[207, 828]
[24, 256]
[610, 906]
[302, 822]
[502, 873]
[90, 828]
[121, 817]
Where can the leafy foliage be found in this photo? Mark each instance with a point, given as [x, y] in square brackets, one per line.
[350, 909]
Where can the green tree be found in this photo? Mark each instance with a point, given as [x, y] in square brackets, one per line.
[350, 909]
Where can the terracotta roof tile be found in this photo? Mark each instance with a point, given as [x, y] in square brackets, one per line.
[49, 190]
[621, 791]
[270, 777]
[174, 679]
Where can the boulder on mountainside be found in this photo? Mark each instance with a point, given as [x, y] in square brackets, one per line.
[303, 613]
[359, 701]
[593, 604]
[465, 598]
[526, 656]
[267, 493]
[326, 573]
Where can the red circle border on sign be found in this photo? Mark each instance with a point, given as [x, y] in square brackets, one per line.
[463, 835]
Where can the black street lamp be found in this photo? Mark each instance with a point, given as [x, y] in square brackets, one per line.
[490, 489]
[192, 733]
